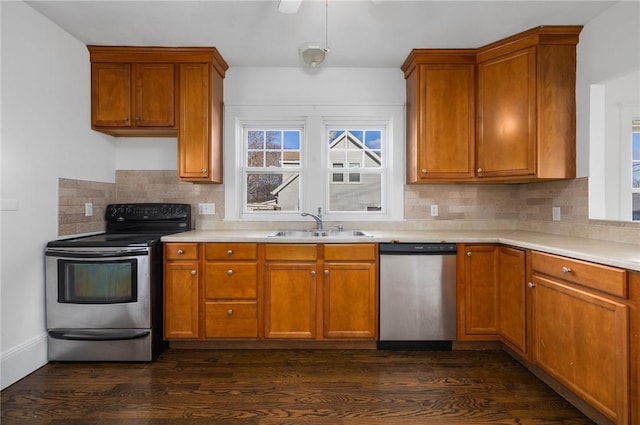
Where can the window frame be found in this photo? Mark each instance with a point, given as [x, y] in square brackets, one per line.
[311, 119]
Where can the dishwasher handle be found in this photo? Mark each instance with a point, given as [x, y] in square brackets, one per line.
[418, 249]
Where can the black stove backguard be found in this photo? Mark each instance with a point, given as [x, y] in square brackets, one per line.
[148, 218]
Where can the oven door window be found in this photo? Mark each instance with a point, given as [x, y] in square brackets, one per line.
[97, 282]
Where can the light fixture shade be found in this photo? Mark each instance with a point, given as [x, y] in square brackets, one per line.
[313, 54]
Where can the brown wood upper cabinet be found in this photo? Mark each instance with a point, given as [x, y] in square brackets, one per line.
[440, 115]
[163, 91]
[524, 114]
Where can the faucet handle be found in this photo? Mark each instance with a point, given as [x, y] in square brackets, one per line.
[319, 211]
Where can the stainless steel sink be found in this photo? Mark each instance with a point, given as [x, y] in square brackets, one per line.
[319, 234]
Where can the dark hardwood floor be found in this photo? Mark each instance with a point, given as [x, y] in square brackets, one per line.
[268, 387]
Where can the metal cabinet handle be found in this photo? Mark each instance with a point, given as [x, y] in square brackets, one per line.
[125, 119]
[566, 270]
[326, 272]
[531, 285]
[193, 272]
[229, 312]
[468, 253]
[230, 252]
[423, 171]
[204, 170]
[138, 118]
[230, 272]
[479, 170]
[180, 252]
[313, 272]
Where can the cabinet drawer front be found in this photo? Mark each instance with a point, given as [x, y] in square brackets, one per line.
[231, 320]
[229, 251]
[231, 280]
[596, 276]
[291, 252]
[350, 252]
[181, 251]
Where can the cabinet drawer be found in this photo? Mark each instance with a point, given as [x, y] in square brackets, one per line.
[181, 251]
[291, 252]
[231, 251]
[231, 320]
[596, 276]
[231, 280]
[349, 252]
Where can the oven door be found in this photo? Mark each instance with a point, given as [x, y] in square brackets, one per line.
[98, 288]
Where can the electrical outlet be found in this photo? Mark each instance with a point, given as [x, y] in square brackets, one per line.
[88, 209]
[207, 209]
[555, 213]
[434, 210]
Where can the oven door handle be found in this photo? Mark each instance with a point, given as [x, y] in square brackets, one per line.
[95, 254]
[98, 334]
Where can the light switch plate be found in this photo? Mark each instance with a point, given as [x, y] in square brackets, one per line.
[88, 209]
[434, 210]
[555, 213]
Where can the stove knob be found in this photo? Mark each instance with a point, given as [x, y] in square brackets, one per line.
[113, 211]
[178, 210]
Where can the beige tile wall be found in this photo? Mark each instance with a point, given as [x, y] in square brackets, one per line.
[72, 195]
[461, 206]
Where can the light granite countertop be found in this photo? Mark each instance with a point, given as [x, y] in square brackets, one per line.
[604, 252]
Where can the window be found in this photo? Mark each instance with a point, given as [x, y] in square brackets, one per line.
[291, 159]
[635, 169]
[272, 170]
[359, 187]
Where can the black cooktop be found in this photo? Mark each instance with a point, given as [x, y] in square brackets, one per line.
[134, 225]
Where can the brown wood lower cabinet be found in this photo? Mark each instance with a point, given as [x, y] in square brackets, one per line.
[321, 291]
[512, 274]
[581, 332]
[181, 291]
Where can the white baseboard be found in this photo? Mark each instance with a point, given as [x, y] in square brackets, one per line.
[21, 360]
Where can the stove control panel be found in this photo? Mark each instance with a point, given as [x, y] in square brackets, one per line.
[147, 212]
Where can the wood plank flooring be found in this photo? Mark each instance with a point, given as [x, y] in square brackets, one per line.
[302, 387]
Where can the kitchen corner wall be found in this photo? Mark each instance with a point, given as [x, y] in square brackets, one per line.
[461, 206]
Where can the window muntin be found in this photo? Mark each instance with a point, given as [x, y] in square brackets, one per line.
[272, 169]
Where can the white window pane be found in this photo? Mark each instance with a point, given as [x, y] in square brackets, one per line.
[273, 192]
[364, 196]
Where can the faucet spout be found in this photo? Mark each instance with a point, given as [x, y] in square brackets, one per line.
[317, 218]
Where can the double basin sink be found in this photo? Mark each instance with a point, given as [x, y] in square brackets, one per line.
[303, 234]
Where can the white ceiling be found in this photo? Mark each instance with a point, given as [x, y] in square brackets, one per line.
[371, 33]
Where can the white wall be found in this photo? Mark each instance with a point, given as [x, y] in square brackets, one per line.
[609, 48]
[46, 134]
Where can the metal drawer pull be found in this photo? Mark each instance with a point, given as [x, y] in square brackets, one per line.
[566, 270]
[193, 272]
[326, 272]
[531, 285]
[230, 252]
[230, 272]
[469, 254]
[229, 312]
[313, 272]
[180, 252]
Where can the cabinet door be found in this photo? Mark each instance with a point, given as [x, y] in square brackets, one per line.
[507, 115]
[582, 341]
[111, 94]
[154, 95]
[512, 271]
[350, 300]
[478, 293]
[290, 300]
[181, 299]
[193, 132]
[446, 123]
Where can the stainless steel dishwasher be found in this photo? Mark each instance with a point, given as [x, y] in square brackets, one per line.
[417, 295]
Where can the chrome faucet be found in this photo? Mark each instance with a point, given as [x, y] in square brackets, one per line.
[317, 218]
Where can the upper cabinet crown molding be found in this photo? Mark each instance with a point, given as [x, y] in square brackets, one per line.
[520, 126]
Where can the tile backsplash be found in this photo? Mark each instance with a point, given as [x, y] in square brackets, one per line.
[460, 206]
